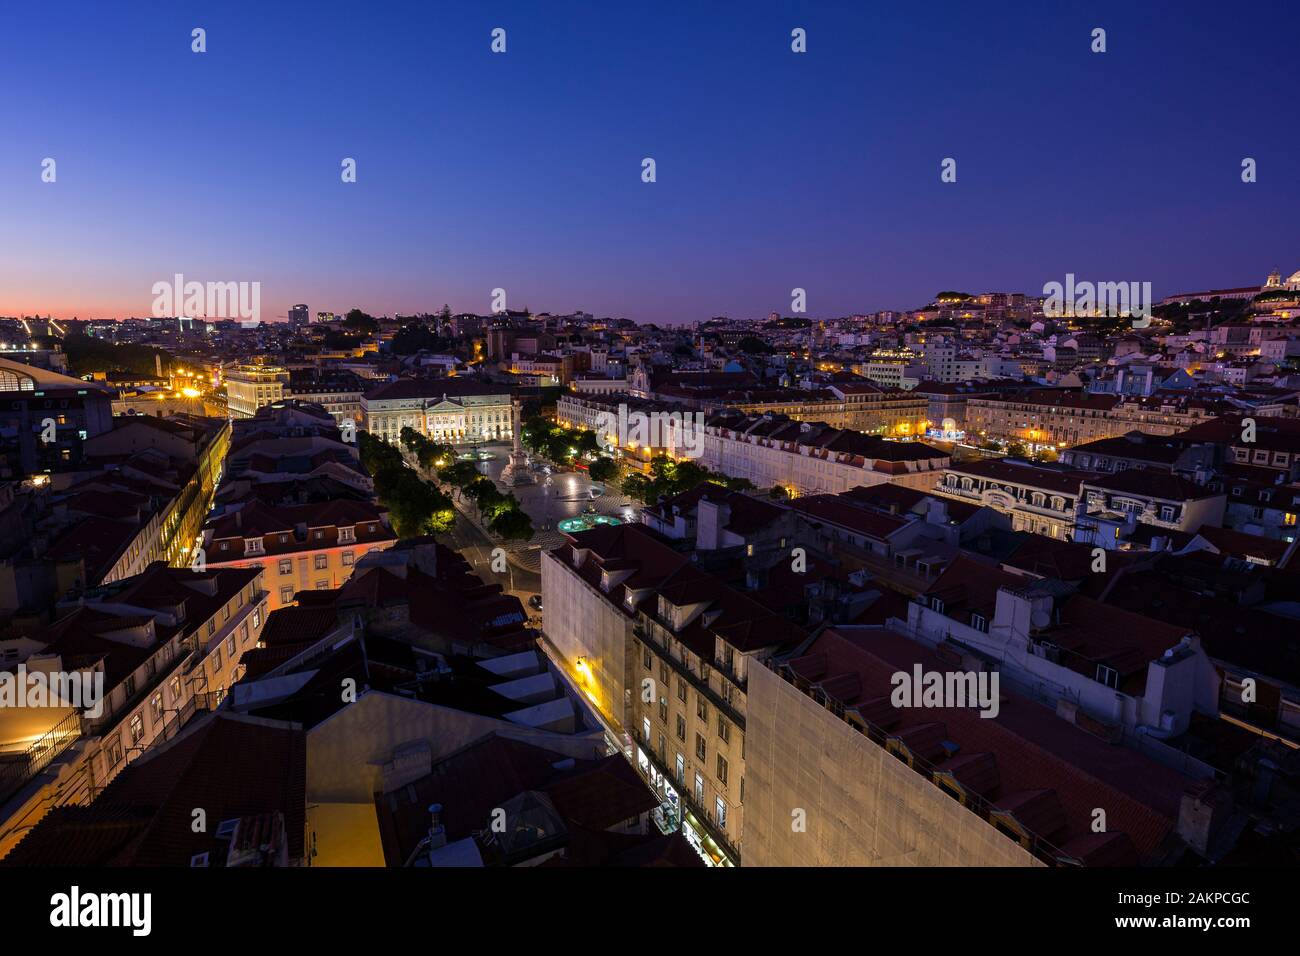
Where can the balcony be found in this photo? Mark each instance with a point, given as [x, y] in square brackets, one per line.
[677, 667]
[19, 768]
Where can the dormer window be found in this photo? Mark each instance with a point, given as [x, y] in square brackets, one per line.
[348, 534]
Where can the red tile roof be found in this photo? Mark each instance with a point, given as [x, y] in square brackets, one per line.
[1034, 750]
[230, 766]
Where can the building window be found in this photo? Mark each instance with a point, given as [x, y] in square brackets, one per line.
[681, 689]
[156, 706]
[722, 770]
[321, 562]
[348, 558]
[114, 751]
[724, 729]
[978, 622]
[720, 811]
[681, 727]
[645, 658]
[286, 566]
[701, 750]
[174, 685]
[681, 769]
[663, 709]
[322, 585]
[645, 729]
[701, 708]
[699, 789]
[286, 595]
[128, 686]
[1108, 676]
[137, 728]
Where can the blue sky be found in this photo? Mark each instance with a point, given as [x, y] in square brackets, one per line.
[522, 170]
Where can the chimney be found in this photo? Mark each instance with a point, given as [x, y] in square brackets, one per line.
[1201, 813]
[437, 833]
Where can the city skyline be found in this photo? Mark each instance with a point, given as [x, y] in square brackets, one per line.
[522, 170]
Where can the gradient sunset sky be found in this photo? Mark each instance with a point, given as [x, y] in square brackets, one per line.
[523, 170]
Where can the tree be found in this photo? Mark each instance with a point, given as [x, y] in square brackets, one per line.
[483, 492]
[602, 469]
[512, 525]
[638, 487]
[459, 474]
[358, 321]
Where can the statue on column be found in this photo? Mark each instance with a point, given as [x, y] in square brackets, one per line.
[516, 471]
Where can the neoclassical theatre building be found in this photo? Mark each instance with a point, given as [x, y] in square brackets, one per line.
[444, 409]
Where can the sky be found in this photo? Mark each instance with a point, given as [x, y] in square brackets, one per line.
[522, 170]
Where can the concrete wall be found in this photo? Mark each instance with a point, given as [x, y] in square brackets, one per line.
[862, 806]
[580, 622]
[346, 753]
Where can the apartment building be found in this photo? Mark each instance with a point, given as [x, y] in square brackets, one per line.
[1041, 500]
[338, 392]
[841, 775]
[663, 650]
[291, 441]
[45, 418]
[166, 644]
[856, 405]
[309, 547]
[250, 387]
[1132, 505]
[1063, 418]
[814, 458]
[185, 444]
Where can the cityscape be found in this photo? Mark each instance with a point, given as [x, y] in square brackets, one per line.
[528, 543]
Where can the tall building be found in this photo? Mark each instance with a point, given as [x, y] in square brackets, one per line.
[299, 315]
[250, 387]
[662, 650]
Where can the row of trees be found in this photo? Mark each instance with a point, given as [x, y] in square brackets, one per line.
[669, 477]
[415, 507]
[564, 446]
[501, 512]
